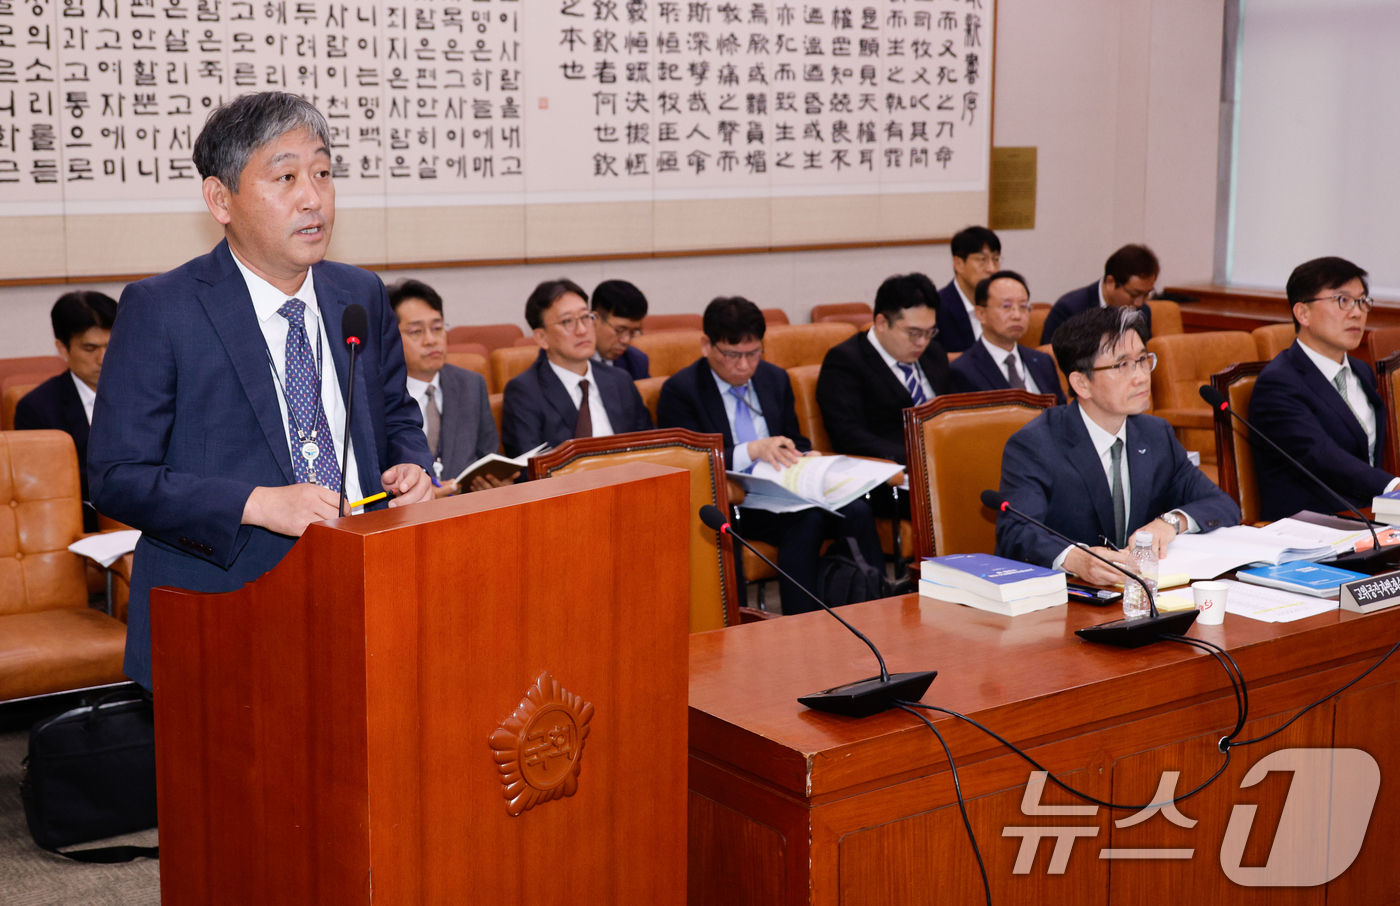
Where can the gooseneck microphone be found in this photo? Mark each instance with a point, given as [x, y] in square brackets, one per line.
[354, 324]
[863, 697]
[1120, 633]
[1376, 555]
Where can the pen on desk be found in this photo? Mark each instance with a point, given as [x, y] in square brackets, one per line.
[1109, 544]
[373, 498]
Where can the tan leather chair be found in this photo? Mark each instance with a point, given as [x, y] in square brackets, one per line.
[954, 445]
[492, 336]
[1382, 341]
[1234, 454]
[477, 348]
[41, 366]
[1039, 312]
[773, 316]
[508, 361]
[50, 640]
[650, 390]
[1049, 349]
[528, 340]
[663, 323]
[12, 394]
[1166, 318]
[714, 595]
[471, 361]
[498, 407]
[1272, 339]
[1185, 362]
[1388, 383]
[853, 313]
[809, 414]
[803, 344]
[670, 350]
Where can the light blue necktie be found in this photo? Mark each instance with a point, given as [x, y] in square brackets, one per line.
[744, 430]
[911, 381]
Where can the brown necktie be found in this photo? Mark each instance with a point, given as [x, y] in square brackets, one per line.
[433, 420]
[584, 426]
[1013, 374]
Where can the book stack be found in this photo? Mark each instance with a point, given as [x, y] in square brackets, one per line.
[1387, 507]
[1002, 586]
[1308, 578]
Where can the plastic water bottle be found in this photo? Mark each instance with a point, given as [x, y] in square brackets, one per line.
[1142, 561]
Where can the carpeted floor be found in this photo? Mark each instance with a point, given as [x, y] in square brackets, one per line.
[31, 877]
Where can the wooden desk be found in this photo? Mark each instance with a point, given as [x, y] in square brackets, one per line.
[792, 806]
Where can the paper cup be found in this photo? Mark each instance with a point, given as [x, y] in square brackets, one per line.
[1210, 601]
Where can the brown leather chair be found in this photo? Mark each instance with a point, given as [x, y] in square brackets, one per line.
[1166, 318]
[43, 366]
[809, 414]
[50, 640]
[1272, 339]
[773, 316]
[663, 323]
[803, 344]
[492, 336]
[1039, 312]
[854, 313]
[714, 594]
[471, 361]
[650, 390]
[498, 407]
[1388, 383]
[954, 445]
[526, 341]
[1049, 349]
[670, 350]
[1382, 341]
[477, 348]
[10, 397]
[1234, 455]
[508, 361]
[1185, 362]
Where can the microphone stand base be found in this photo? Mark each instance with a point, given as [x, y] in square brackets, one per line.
[1139, 632]
[870, 696]
[1369, 562]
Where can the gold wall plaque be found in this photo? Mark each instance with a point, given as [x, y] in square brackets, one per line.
[537, 749]
[1013, 189]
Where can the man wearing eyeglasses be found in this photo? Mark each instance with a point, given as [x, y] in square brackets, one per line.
[620, 308]
[976, 256]
[562, 396]
[997, 361]
[731, 391]
[1099, 470]
[1319, 403]
[1129, 277]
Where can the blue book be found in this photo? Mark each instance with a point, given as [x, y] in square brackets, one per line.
[1301, 576]
[993, 577]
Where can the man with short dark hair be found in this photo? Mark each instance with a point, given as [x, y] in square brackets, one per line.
[620, 308]
[1099, 470]
[454, 402]
[868, 380]
[997, 361]
[221, 410]
[562, 396]
[976, 256]
[82, 326]
[1129, 277]
[731, 391]
[1319, 403]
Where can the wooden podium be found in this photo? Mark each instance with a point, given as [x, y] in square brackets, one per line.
[476, 700]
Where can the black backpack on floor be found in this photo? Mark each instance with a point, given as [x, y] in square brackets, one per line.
[844, 578]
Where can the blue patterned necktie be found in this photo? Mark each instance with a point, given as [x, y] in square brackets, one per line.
[312, 444]
[744, 430]
[911, 381]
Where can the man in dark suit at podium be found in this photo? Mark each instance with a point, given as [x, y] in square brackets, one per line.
[220, 412]
[1319, 403]
[1129, 276]
[976, 256]
[997, 361]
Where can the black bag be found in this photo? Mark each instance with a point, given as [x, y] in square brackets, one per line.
[843, 579]
[91, 774]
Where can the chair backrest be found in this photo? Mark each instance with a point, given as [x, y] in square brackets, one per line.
[714, 597]
[1166, 317]
[1382, 341]
[492, 336]
[13, 393]
[39, 481]
[1272, 339]
[508, 361]
[525, 341]
[1039, 312]
[1186, 361]
[842, 308]
[477, 348]
[1234, 456]
[45, 366]
[662, 323]
[773, 316]
[809, 414]
[1388, 381]
[1049, 349]
[670, 350]
[954, 445]
[803, 344]
[471, 361]
[650, 390]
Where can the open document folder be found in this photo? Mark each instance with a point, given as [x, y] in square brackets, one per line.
[1208, 555]
[829, 482]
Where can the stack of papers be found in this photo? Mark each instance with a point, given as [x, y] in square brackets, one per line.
[1272, 606]
[829, 482]
[106, 547]
[1211, 554]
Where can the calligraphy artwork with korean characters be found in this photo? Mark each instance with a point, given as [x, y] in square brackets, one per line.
[538, 748]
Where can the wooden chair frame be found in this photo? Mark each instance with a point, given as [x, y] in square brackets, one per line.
[1384, 368]
[1226, 453]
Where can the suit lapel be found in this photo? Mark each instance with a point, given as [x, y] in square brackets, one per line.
[1142, 461]
[554, 392]
[456, 415]
[711, 403]
[1085, 458]
[612, 399]
[876, 364]
[71, 409]
[332, 302]
[982, 360]
[1326, 391]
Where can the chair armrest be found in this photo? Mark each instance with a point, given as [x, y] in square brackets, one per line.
[1187, 418]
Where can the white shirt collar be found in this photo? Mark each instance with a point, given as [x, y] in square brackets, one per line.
[999, 355]
[1328, 367]
[86, 394]
[967, 303]
[724, 385]
[1103, 303]
[571, 379]
[1100, 438]
[418, 389]
[890, 361]
[268, 298]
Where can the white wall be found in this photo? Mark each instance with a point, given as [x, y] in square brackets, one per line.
[1120, 96]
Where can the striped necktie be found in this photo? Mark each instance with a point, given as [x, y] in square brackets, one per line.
[912, 383]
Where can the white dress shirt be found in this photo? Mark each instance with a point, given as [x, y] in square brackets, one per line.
[971, 314]
[86, 394]
[999, 356]
[893, 365]
[1103, 303]
[742, 460]
[601, 426]
[419, 391]
[266, 300]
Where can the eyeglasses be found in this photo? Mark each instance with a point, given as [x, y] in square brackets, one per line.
[1345, 302]
[572, 323]
[416, 334]
[623, 333]
[985, 258]
[735, 355]
[916, 335]
[1146, 362]
[1023, 307]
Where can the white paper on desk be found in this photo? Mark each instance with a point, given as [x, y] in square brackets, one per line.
[1273, 605]
[1205, 556]
[1299, 535]
[107, 547]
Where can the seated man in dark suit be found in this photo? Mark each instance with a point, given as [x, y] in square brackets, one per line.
[997, 362]
[731, 391]
[1099, 470]
[1129, 276]
[976, 256]
[867, 381]
[82, 325]
[455, 404]
[562, 396]
[620, 308]
[1319, 403]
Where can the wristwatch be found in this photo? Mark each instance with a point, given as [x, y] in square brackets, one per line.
[1175, 521]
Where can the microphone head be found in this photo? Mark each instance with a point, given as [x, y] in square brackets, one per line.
[1215, 398]
[992, 500]
[713, 518]
[354, 324]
